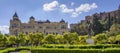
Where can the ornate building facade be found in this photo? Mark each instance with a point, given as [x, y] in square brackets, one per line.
[46, 27]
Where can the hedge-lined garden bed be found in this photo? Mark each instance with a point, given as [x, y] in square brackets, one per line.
[82, 46]
[76, 50]
[7, 50]
[53, 48]
[59, 48]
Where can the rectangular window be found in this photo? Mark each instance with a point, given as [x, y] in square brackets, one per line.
[24, 27]
[63, 27]
[29, 27]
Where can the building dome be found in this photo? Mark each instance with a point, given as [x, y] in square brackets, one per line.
[32, 17]
[15, 15]
[62, 21]
[47, 21]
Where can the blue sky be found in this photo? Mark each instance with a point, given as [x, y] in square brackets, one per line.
[72, 11]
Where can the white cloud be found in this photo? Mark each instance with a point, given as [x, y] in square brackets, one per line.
[75, 12]
[64, 9]
[72, 3]
[94, 5]
[50, 6]
[85, 7]
[4, 29]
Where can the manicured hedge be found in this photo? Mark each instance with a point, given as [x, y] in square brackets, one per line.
[117, 50]
[7, 50]
[13, 50]
[83, 46]
[65, 51]
[54, 48]
[19, 49]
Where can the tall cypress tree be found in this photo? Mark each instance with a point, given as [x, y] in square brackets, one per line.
[109, 22]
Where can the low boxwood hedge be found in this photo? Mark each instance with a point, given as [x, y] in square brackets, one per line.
[117, 50]
[19, 49]
[83, 46]
[65, 51]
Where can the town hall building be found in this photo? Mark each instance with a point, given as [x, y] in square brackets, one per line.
[46, 27]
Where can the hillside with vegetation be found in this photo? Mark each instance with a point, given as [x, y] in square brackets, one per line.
[106, 22]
